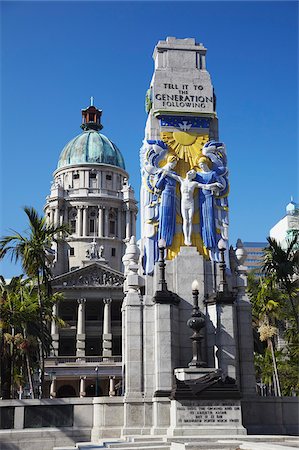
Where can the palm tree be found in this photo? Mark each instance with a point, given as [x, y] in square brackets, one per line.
[282, 264]
[21, 331]
[34, 251]
[266, 301]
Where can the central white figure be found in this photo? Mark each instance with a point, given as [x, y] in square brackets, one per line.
[188, 185]
[187, 201]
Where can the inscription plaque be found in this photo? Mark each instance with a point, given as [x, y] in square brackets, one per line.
[220, 414]
[188, 97]
[195, 416]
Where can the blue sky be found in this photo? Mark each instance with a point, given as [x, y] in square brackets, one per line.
[55, 55]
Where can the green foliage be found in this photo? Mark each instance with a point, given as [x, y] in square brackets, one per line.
[34, 251]
[287, 369]
[274, 299]
[22, 332]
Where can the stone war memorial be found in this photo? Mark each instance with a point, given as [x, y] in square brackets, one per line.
[191, 327]
[186, 377]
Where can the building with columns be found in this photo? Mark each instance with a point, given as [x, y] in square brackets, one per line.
[90, 192]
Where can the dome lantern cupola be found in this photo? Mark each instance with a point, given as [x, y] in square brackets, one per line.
[91, 147]
[91, 117]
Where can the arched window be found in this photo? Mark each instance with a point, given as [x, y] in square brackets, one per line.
[92, 220]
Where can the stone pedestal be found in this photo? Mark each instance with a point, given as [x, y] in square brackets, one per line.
[199, 417]
[192, 373]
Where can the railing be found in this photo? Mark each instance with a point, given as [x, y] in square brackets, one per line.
[97, 191]
[77, 360]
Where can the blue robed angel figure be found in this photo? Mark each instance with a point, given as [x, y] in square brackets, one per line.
[167, 209]
[151, 153]
[213, 185]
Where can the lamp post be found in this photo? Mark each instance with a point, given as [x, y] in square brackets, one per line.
[162, 265]
[223, 287]
[196, 323]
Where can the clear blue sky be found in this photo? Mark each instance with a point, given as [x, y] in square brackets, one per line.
[56, 55]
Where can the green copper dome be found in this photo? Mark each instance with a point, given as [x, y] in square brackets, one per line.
[90, 147]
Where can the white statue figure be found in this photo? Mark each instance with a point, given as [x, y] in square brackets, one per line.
[188, 185]
[93, 251]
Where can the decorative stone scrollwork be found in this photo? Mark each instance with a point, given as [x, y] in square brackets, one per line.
[95, 278]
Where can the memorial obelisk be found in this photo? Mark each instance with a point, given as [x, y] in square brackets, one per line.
[187, 273]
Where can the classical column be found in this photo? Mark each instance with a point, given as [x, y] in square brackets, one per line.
[61, 215]
[56, 216]
[133, 223]
[80, 221]
[100, 228]
[80, 344]
[53, 387]
[107, 336]
[128, 225]
[106, 222]
[85, 209]
[52, 215]
[82, 387]
[54, 332]
[119, 230]
[111, 386]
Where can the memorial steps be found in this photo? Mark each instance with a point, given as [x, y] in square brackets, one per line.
[192, 443]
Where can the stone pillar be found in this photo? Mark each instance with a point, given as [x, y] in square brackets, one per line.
[226, 352]
[166, 320]
[82, 387]
[244, 335]
[107, 336]
[53, 387]
[100, 228]
[80, 344]
[134, 224]
[128, 230]
[52, 215]
[132, 311]
[56, 216]
[119, 228]
[106, 222]
[85, 218]
[111, 386]
[54, 332]
[80, 221]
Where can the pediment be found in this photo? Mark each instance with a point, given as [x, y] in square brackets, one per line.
[93, 275]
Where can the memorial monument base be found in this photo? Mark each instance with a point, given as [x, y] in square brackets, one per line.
[202, 417]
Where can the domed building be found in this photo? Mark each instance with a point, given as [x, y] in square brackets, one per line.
[90, 192]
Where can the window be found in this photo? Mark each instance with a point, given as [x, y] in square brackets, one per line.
[91, 117]
[91, 226]
[92, 215]
[108, 177]
[92, 175]
[113, 251]
[72, 251]
[111, 227]
[75, 176]
[112, 222]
